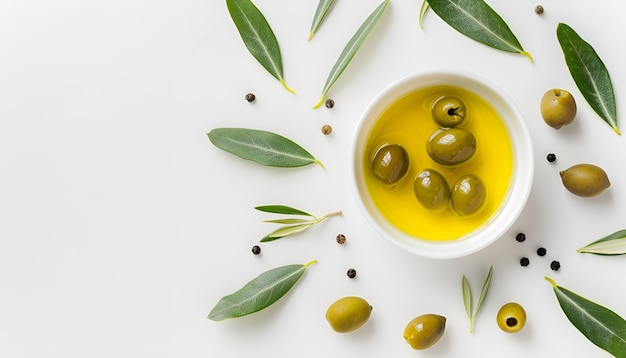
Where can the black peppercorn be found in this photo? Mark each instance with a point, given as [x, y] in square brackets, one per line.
[551, 158]
[521, 237]
[541, 251]
[524, 261]
[351, 273]
[555, 265]
[327, 129]
[539, 9]
[341, 239]
[330, 103]
[256, 249]
[250, 97]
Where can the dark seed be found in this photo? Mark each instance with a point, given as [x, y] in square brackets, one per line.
[511, 321]
[351, 273]
[539, 9]
[555, 265]
[256, 249]
[541, 251]
[551, 158]
[341, 239]
[330, 103]
[521, 237]
[250, 97]
[327, 129]
[524, 261]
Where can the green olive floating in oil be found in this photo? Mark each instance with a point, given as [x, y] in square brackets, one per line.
[449, 111]
[468, 195]
[451, 146]
[390, 163]
[431, 190]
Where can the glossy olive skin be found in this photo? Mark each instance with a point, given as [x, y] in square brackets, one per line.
[468, 195]
[424, 331]
[511, 317]
[451, 146]
[390, 163]
[431, 190]
[449, 111]
[348, 313]
[585, 180]
[558, 108]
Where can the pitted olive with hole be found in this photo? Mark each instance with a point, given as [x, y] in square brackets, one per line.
[424, 331]
[431, 190]
[451, 146]
[585, 180]
[449, 111]
[511, 317]
[390, 163]
[468, 195]
[558, 108]
[348, 313]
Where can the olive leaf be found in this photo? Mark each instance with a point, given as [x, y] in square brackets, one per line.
[291, 225]
[613, 244]
[262, 147]
[351, 49]
[260, 293]
[467, 297]
[589, 73]
[478, 21]
[258, 37]
[320, 15]
[603, 327]
[423, 10]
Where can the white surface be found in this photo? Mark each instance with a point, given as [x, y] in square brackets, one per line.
[121, 225]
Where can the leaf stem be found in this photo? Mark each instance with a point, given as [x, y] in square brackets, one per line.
[551, 281]
[310, 263]
[525, 53]
[282, 82]
[318, 104]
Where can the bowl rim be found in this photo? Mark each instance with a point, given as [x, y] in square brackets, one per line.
[521, 176]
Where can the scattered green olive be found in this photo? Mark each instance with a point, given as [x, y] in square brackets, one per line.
[558, 108]
[348, 313]
[390, 163]
[449, 111]
[424, 331]
[431, 189]
[468, 195]
[585, 180]
[511, 317]
[451, 146]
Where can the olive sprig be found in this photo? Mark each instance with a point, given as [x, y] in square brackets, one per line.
[291, 225]
[467, 297]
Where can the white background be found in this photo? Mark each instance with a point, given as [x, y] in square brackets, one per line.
[121, 226]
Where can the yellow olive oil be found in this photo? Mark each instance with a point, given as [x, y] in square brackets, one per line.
[409, 123]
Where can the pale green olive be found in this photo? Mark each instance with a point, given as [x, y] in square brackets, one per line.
[585, 180]
[448, 111]
[511, 317]
[558, 108]
[451, 146]
[424, 331]
[390, 163]
[468, 195]
[348, 313]
[431, 190]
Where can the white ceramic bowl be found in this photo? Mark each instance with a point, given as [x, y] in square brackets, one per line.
[521, 178]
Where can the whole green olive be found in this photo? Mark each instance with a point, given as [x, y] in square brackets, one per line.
[390, 163]
[448, 111]
[451, 146]
[431, 189]
[348, 313]
[585, 180]
[558, 108]
[424, 331]
[511, 317]
[468, 195]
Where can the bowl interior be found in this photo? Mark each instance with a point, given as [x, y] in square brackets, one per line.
[521, 177]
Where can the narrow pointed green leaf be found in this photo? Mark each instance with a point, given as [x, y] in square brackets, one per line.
[262, 147]
[260, 293]
[258, 37]
[467, 297]
[282, 209]
[483, 292]
[287, 221]
[478, 21]
[320, 15]
[603, 327]
[589, 73]
[614, 244]
[351, 49]
[286, 231]
[423, 11]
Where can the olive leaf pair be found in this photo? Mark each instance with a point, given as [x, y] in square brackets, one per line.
[291, 225]
[467, 297]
